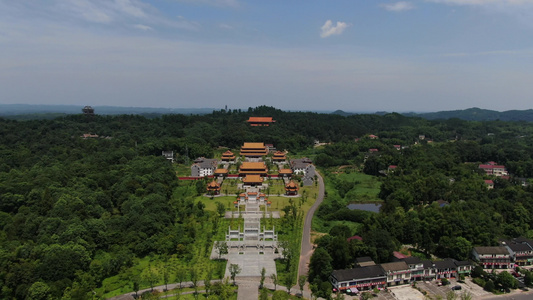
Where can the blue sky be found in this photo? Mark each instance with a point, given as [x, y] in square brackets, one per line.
[357, 55]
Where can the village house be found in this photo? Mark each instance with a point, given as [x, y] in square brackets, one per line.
[445, 268]
[490, 184]
[463, 267]
[203, 167]
[521, 249]
[358, 279]
[491, 168]
[364, 261]
[304, 167]
[403, 271]
[169, 155]
[429, 270]
[493, 257]
[397, 273]
[89, 136]
[416, 266]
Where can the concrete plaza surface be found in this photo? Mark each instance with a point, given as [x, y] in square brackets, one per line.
[251, 264]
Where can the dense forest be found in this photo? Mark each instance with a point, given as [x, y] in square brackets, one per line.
[75, 211]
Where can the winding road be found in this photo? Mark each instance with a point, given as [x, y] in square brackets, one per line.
[306, 249]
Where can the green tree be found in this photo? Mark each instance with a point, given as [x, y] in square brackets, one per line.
[180, 275]
[39, 291]
[262, 281]
[506, 280]
[150, 275]
[288, 281]
[301, 283]
[221, 247]
[528, 278]
[221, 210]
[234, 270]
[195, 277]
[489, 286]
[274, 278]
[320, 265]
[207, 281]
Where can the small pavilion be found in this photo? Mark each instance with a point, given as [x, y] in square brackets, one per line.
[279, 157]
[213, 188]
[228, 156]
[291, 188]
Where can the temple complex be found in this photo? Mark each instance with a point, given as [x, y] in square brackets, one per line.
[279, 157]
[260, 121]
[254, 150]
[228, 156]
[291, 188]
[253, 168]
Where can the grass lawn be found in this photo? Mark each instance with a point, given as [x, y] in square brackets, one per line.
[182, 170]
[188, 293]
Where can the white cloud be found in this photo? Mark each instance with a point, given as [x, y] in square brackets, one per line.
[222, 3]
[398, 6]
[483, 2]
[143, 27]
[328, 29]
[225, 26]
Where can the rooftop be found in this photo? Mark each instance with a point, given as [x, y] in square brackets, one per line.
[253, 165]
[261, 119]
[253, 145]
[491, 250]
[358, 273]
[395, 266]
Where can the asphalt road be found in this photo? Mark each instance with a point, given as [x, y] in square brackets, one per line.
[307, 248]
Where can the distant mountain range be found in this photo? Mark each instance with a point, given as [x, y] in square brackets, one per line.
[470, 114]
[29, 111]
[50, 111]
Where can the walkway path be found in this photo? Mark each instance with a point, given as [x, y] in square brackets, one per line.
[307, 248]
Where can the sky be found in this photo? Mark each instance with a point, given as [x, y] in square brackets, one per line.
[354, 55]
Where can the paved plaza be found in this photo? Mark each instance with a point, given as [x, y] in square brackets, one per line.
[252, 263]
[406, 292]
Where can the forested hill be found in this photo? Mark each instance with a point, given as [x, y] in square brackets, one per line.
[478, 114]
[76, 211]
[470, 114]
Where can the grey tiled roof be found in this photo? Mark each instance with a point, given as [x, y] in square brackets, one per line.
[358, 273]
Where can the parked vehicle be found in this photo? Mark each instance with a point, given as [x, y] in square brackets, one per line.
[457, 288]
